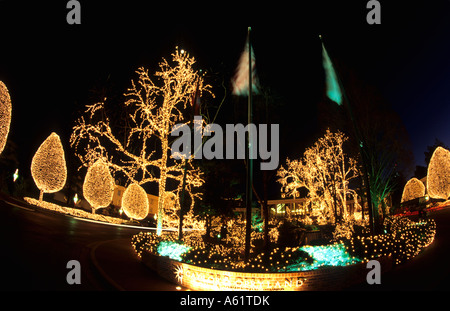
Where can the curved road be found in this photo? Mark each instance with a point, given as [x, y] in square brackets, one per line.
[429, 270]
[36, 246]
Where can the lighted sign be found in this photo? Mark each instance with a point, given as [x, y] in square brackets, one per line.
[198, 278]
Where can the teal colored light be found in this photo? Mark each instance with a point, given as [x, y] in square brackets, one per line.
[16, 175]
[333, 89]
[172, 250]
[327, 255]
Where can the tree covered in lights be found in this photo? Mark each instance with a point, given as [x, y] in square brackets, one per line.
[377, 135]
[98, 186]
[438, 176]
[414, 189]
[48, 166]
[135, 202]
[154, 105]
[5, 114]
[325, 171]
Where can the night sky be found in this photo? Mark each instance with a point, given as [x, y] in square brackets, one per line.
[50, 66]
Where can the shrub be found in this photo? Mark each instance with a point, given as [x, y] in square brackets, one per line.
[403, 239]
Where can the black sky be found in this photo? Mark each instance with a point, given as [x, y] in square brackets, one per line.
[49, 66]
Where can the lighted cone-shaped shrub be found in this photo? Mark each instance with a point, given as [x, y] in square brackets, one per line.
[98, 186]
[135, 202]
[414, 189]
[48, 166]
[438, 177]
[5, 114]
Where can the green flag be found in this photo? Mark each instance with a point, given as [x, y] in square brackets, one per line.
[333, 89]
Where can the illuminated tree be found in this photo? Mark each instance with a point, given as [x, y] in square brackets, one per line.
[98, 186]
[438, 177]
[48, 166]
[5, 114]
[414, 189]
[155, 106]
[135, 202]
[325, 171]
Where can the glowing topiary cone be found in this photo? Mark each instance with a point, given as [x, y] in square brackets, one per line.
[438, 176]
[135, 202]
[5, 115]
[98, 186]
[48, 166]
[414, 189]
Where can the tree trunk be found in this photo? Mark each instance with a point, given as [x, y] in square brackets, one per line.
[41, 196]
[162, 186]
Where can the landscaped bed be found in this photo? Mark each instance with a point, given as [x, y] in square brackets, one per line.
[401, 240]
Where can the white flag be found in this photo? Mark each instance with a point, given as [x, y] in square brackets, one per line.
[240, 79]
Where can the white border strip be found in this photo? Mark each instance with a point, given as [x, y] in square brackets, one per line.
[22, 207]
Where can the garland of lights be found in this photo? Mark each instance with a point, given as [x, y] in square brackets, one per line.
[438, 175]
[75, 212]
[404, 239]
[98, 186]
[135, 202]
[48, 166]
[414, 189]
[5, 115]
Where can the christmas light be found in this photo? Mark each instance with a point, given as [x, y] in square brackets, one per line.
[438, 176]
[75, 212]
[155, 106]
[414, 189]
[48, 166]
[172, 250]
[325, 171]
[198, 278]
[5, 115]
[135, 202]
[403, 240]
[76, 199]
[333, 255]
[98, 186]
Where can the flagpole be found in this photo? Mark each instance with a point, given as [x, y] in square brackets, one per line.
[249, 184]
[362, 150]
